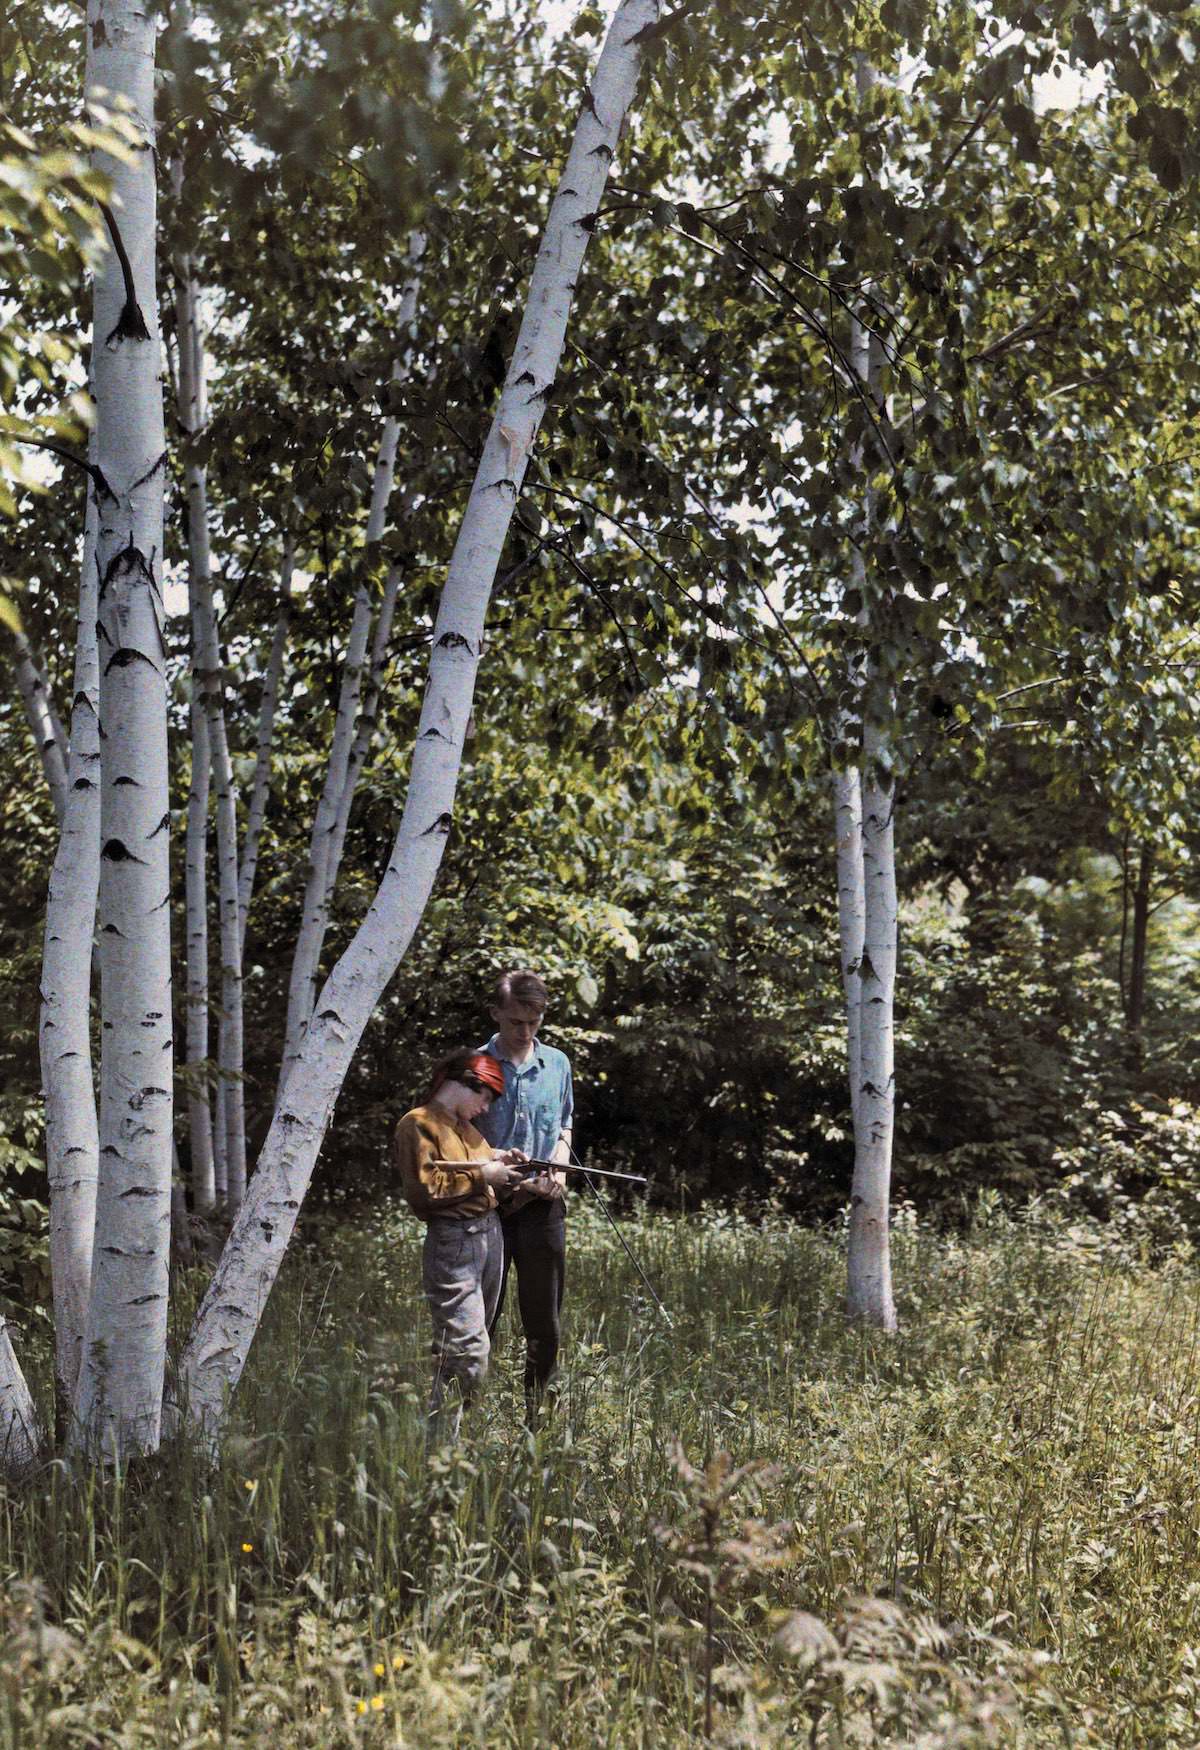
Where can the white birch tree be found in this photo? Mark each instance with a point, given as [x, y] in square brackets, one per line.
[216, 1352]
[44, 724]
[200, 1134]
[64, 1029]
[119, 1400]
[256, 811]
[868, 904]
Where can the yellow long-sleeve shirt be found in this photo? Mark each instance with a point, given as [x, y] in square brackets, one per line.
[430, 1133]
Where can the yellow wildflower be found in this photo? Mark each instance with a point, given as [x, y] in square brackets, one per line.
[398, 1661]
[361, 1707]
[377, 1702]
[246, 1548]
[380, 1669]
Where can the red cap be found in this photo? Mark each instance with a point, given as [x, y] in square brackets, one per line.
[488, 1070]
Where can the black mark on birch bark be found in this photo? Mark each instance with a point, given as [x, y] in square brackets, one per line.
[130, 324]
[441, 824]
[114, 851]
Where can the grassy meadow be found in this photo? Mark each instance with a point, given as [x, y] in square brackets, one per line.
[983, 1530]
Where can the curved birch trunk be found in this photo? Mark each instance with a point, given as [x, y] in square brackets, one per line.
[21, 1437]
[119, 1399]
[216, 1352]
[206, 658]
[64, 1033]
[43, 720]
[869, 1289]
[200, 1134]
[340, 776]
[260, 788]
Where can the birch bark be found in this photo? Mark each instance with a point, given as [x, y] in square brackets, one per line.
[21, 1436]
[216, 1352]
[119, 1399]
[847, 815]
[869, 1272]
[261, 785]
[64, 1033]
[43, 720]
[206, 657]
[340, 777]
[368, 718]
[200, 1134]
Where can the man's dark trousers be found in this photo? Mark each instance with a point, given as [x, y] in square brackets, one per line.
[535, 1242]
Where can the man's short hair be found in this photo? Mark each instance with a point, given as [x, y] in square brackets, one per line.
[520, 987]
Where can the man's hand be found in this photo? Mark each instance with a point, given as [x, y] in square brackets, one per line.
[544, 1184]
[502, 1173]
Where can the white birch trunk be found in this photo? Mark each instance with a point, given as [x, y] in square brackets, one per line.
[119, 1401]
[200, 1132]
[216, 1352]
[21, 1436]
[368, 718]
[43, 720]
[869, 1287]
[64, 1034]
[868, 1265]
[206, 660]
[306, 961]
[847, 812]
[260, 788]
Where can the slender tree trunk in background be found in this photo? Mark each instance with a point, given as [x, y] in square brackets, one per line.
[216, 1352]
[1136, 1012]
[119, 1402]
[868, 1262]
[65, 1039]
[869, 1285]
[21, 1436]
[206, 655]
[847, 812]
[368, 717]
[200, 1131]
[1124, 927]
[261, 786]
[341, 776]
[44, 724]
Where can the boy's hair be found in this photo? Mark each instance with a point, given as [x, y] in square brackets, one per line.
[520, 987]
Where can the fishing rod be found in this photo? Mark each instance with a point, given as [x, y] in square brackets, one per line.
[529, 1168]
[587, 1172]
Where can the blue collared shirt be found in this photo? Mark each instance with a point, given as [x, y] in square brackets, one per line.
[537, 1105]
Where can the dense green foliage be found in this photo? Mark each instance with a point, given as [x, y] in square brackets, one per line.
[989, 1523]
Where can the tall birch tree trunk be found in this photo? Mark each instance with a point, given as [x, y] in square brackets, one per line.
[119, 1401]
[64, 1033]
[206, 656]
[200, 1134]
[340, 777]
[21, 1436]
[1136, 1010]
[847, 818]
[44, 724]
[216, 1352]
[261, 785]
[869, 1272]
[368, 717]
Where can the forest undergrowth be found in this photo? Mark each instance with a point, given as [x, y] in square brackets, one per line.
[982, 1530]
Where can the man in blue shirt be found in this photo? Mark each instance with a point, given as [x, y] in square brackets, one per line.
[535, 1113]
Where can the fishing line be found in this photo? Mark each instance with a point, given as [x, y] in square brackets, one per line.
[650, 1289]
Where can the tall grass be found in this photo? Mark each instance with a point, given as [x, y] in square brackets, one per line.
[982, 1530]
